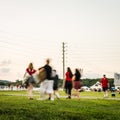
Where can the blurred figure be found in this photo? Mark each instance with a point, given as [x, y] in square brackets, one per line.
[29, 79]
[105, 85]
[46, 86]
[77, 82]
[113, 91]
[17, 85]
[68, 82]
[55, 84]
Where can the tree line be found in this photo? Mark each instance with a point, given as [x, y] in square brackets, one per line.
[85, 82]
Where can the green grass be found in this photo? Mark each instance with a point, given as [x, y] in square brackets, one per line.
[14, 106]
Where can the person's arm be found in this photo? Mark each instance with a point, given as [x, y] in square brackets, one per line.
[108, 84]
[73, 78]
[41, 69]
[24, 75]
[101, 82]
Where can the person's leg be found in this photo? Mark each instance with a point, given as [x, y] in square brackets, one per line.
[66, 91]
[30, 89]
[69, 89]
[69, 93]
[55, 88]
[77, 93]
[42, 90]
[50, 90]
[106, 93]
[66, 87]
[78, 85]
[57, 94]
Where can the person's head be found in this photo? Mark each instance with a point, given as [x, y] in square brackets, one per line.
[47, 61]
[68, 69]
[30, 66]
[53, 73]
[54, 70]
[77, 71]
[104, 75]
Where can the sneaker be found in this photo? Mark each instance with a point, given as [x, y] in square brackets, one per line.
[52, 99]
[30, 98]
[41, 99]
[69, 97]
[49, 98]
[58, 96]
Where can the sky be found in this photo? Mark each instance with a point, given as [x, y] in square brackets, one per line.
[33, 30]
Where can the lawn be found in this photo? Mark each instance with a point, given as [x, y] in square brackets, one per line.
[14, 105]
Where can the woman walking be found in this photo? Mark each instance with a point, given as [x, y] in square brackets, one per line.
[68, 82]
[29, 79]
[77, 82]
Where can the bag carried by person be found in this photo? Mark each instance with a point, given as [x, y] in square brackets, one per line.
[42, 75]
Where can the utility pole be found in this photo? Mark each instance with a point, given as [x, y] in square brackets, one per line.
[63, 57]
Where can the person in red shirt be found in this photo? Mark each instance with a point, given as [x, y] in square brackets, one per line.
[29, 79]
[105, 85]
[68, 82]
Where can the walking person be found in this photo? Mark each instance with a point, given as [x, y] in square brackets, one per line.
[113, 90]
[29, 80]
[105, 85]
[46, 86]
[77, 82]
[55, 77]
[68, 82]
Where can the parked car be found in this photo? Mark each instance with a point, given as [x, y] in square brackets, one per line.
[96, 87]
[85, 88]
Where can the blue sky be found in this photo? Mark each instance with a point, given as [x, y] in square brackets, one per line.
[33, 30]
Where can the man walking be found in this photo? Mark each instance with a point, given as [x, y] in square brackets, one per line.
[105, 85]
[47, 85]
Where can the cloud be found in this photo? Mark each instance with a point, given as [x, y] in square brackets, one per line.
[4, 67]
[91, 75]
[5, 62]
[5, 70]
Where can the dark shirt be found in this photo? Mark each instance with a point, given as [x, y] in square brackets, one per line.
[48, 70]
[77, 77]
[55, 78]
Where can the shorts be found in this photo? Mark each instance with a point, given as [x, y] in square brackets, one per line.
[77, 85]
[105, 89]
[55, 86]
[31, 80]
[46, 87]
[28, 81]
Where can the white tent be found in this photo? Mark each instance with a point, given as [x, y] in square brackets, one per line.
[117, 79]
[96, 86]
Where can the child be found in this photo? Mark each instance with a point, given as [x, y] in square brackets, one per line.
[55, 85]
[113, 91]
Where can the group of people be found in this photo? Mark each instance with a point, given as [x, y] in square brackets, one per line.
[72, 81]
[49, 85]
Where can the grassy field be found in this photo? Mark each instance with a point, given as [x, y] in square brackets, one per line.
[14, 105]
